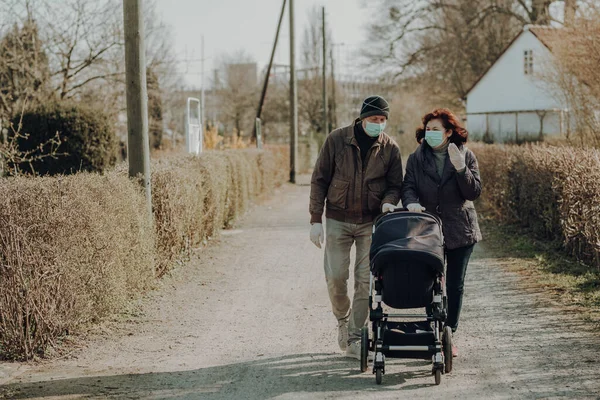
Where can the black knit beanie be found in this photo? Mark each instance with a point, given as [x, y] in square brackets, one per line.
[374, 105]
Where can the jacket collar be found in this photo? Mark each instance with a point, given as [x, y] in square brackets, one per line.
[351, 139]
[425, 155]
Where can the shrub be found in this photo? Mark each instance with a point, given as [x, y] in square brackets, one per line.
[555, 191]
[87, 138]
[75, 249]
[494, 163]
[194, 197]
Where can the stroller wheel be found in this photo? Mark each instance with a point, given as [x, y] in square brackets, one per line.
[378, 376]
[438, 376]
[364, 348]
[447, 345]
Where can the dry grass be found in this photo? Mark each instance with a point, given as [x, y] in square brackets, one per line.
[212, 139]
[236, 142]
[76, 249]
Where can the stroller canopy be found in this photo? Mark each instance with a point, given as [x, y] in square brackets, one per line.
[407, 237]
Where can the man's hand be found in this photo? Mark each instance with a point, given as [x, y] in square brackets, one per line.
[457, 158]
[387, 207]
[316, 234]
[415, 207]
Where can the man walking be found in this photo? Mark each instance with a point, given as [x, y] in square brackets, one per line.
[357, 176]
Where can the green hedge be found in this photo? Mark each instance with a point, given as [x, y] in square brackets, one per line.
[87, 139]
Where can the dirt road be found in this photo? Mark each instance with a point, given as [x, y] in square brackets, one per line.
[250, 319]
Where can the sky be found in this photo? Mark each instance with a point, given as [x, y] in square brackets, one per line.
[229, 26]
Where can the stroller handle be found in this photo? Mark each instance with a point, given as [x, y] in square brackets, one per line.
[406, 210]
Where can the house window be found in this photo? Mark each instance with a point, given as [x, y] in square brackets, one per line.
[528, 62]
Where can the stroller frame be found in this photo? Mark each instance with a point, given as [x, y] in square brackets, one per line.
[439, 350]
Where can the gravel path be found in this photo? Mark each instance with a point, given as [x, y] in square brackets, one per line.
[250, 319]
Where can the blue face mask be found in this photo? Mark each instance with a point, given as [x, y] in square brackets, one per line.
[374, 130]
[434, 138]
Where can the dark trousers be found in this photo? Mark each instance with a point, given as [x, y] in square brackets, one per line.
[456, 268]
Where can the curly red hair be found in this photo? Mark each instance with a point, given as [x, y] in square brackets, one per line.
[449, 121]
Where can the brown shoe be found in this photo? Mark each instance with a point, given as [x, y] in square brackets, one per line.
[454, 351]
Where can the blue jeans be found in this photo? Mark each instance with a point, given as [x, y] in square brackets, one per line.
[456, 269]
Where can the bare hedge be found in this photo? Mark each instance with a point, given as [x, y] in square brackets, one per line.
[76, 249]
[72, 249]
[193, 198]
[555, 191]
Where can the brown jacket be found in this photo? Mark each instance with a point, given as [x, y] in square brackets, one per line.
[451, 196]
[353, 194]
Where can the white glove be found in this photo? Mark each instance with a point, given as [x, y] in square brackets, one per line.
[415, 207]
[316, 234]
[456, 157]
[387, 207]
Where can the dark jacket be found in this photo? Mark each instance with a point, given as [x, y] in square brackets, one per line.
[451, 196]
[354, 194]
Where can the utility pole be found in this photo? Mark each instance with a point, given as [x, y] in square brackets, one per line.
[333, 90]
[203, 114]
[138, 151]
[325, 125]
[266, 82]
[293, 100]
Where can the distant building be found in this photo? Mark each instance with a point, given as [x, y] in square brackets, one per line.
[510, 102]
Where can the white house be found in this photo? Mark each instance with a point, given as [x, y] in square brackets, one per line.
[510, 101]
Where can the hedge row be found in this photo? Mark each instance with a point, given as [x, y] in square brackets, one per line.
[555, 191]
[194, 198]
[75, 249]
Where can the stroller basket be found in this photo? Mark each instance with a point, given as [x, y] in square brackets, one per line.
[409, 334]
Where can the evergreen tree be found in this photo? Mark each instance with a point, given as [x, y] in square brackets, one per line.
[24, 69]
[155, 109]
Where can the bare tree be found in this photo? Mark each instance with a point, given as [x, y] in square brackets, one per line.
[310, 94]
[449, 43]
[81, 38]
[238, 96]
[573, 74]
[83, 42]
[276, 110]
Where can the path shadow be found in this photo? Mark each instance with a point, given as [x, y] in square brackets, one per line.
[268, 378]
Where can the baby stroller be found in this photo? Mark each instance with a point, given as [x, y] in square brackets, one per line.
[407, 271]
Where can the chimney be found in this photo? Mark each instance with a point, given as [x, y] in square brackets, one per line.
[570, 10]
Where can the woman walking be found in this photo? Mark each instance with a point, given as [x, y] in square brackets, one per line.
[442, 177]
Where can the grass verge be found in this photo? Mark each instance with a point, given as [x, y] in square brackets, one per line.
[544, 265]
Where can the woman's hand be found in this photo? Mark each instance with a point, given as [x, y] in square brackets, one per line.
[457, 158]
[415, 207]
